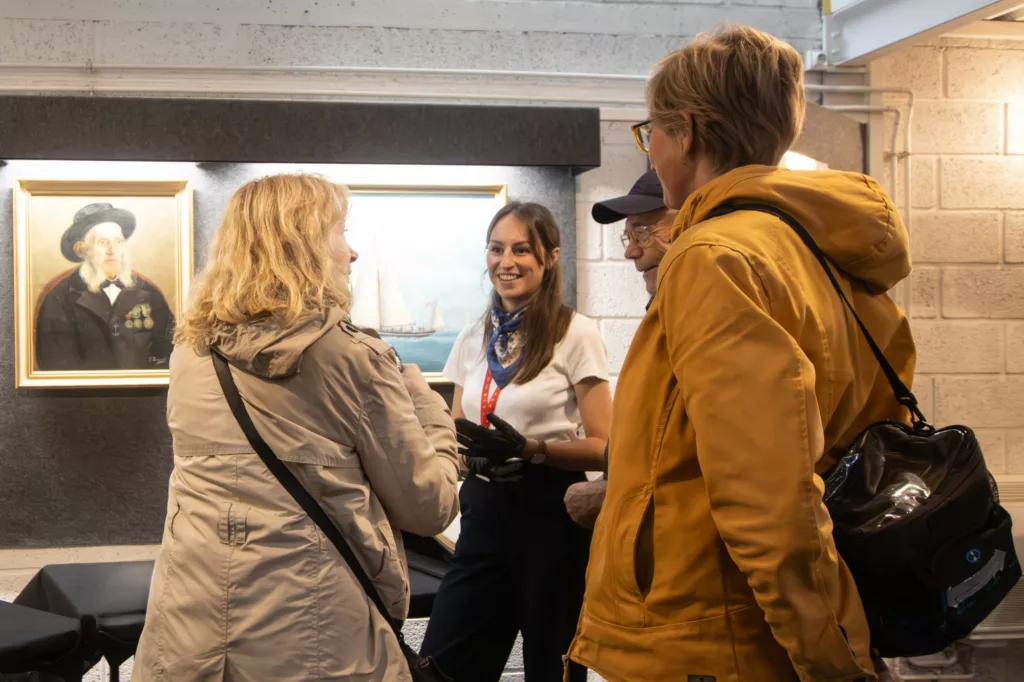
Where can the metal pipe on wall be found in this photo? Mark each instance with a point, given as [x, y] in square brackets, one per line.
[893, 155]
[419, 96]
[379, 70]
[372, 70]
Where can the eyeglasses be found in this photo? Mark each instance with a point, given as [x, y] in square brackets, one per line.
[641, 235]
[642, 135]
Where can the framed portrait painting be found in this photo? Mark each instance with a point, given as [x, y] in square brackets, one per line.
[421, 275]
[101, 273]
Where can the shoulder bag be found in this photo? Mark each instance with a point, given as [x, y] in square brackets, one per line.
[916, 516]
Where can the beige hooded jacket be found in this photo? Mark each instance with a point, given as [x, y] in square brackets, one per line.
[246, 587]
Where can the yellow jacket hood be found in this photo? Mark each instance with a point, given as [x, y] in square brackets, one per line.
[848, 214]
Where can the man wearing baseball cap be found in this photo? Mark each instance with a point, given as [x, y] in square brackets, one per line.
[644, 240]
[648, 224]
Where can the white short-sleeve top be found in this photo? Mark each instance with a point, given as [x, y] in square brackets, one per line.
[544, 408]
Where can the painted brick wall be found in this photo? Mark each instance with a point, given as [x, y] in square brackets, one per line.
[968, 235]
[623, 36]
[608, 287]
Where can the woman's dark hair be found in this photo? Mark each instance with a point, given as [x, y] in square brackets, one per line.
[547, 320]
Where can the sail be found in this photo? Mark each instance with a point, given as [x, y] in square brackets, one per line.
[393, 310]
[436, 321]
[366, 293]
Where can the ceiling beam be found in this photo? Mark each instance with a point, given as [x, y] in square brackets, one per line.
[858, 31]
[990, 30]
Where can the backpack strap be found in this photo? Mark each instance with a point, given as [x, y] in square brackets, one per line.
[903, 394]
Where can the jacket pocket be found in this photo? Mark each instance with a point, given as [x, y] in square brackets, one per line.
[173, 509]
[643, 550]
[632, 567]
[232, 525]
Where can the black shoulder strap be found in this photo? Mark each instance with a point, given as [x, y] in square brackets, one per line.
[899, 389]
[295, 489]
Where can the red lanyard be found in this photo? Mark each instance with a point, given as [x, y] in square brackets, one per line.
[488, 401]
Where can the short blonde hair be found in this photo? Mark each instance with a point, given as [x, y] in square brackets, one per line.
[743, 89]
[272, 257]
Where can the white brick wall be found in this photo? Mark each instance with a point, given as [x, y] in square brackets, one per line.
[608, 287]
[968, 235]
[624, 36]
[967, 242]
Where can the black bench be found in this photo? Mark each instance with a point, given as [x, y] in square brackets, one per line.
[34, 641]
[108, 599]
[105, 603]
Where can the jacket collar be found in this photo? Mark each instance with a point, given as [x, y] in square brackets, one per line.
[97, 302]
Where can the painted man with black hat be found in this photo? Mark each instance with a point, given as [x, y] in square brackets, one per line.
[102, 315]
[645, 240]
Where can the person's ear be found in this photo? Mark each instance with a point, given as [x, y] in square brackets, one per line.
[553, 258]
[685, 137]
[80, 249]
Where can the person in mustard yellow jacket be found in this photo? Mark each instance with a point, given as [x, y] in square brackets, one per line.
[713, 560]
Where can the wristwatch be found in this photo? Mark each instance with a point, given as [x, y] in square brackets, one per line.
[540, 455]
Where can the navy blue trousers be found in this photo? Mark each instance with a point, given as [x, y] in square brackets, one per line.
[519, 566]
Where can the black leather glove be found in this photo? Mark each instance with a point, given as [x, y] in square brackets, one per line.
[509, 472]
[496, 445]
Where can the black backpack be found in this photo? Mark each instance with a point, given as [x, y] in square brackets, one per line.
[916, 517]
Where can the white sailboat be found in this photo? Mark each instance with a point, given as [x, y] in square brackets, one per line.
[378, 303]
[436, 321]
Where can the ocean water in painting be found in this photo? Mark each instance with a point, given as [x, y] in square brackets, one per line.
[421, 273]
[429, 353]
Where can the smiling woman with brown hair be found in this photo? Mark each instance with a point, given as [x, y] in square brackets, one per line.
[538, 372]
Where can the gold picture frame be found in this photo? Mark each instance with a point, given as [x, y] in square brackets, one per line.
[436, 239]
[66, 240]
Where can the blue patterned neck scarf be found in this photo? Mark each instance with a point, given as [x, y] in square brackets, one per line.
[506, 344]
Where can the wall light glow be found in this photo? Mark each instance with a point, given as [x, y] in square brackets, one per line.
[794, 161]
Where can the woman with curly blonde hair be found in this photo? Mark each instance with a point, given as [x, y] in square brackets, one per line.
[245, 585]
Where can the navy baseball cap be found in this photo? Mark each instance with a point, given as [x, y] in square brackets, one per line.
[646, 195]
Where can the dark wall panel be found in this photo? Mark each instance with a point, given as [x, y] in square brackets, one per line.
[83, 467]
[135, 129]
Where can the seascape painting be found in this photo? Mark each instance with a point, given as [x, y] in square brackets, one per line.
[421, 273]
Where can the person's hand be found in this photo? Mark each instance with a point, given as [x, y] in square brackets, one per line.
[583, 501]
[509, 472]
[496, 445]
